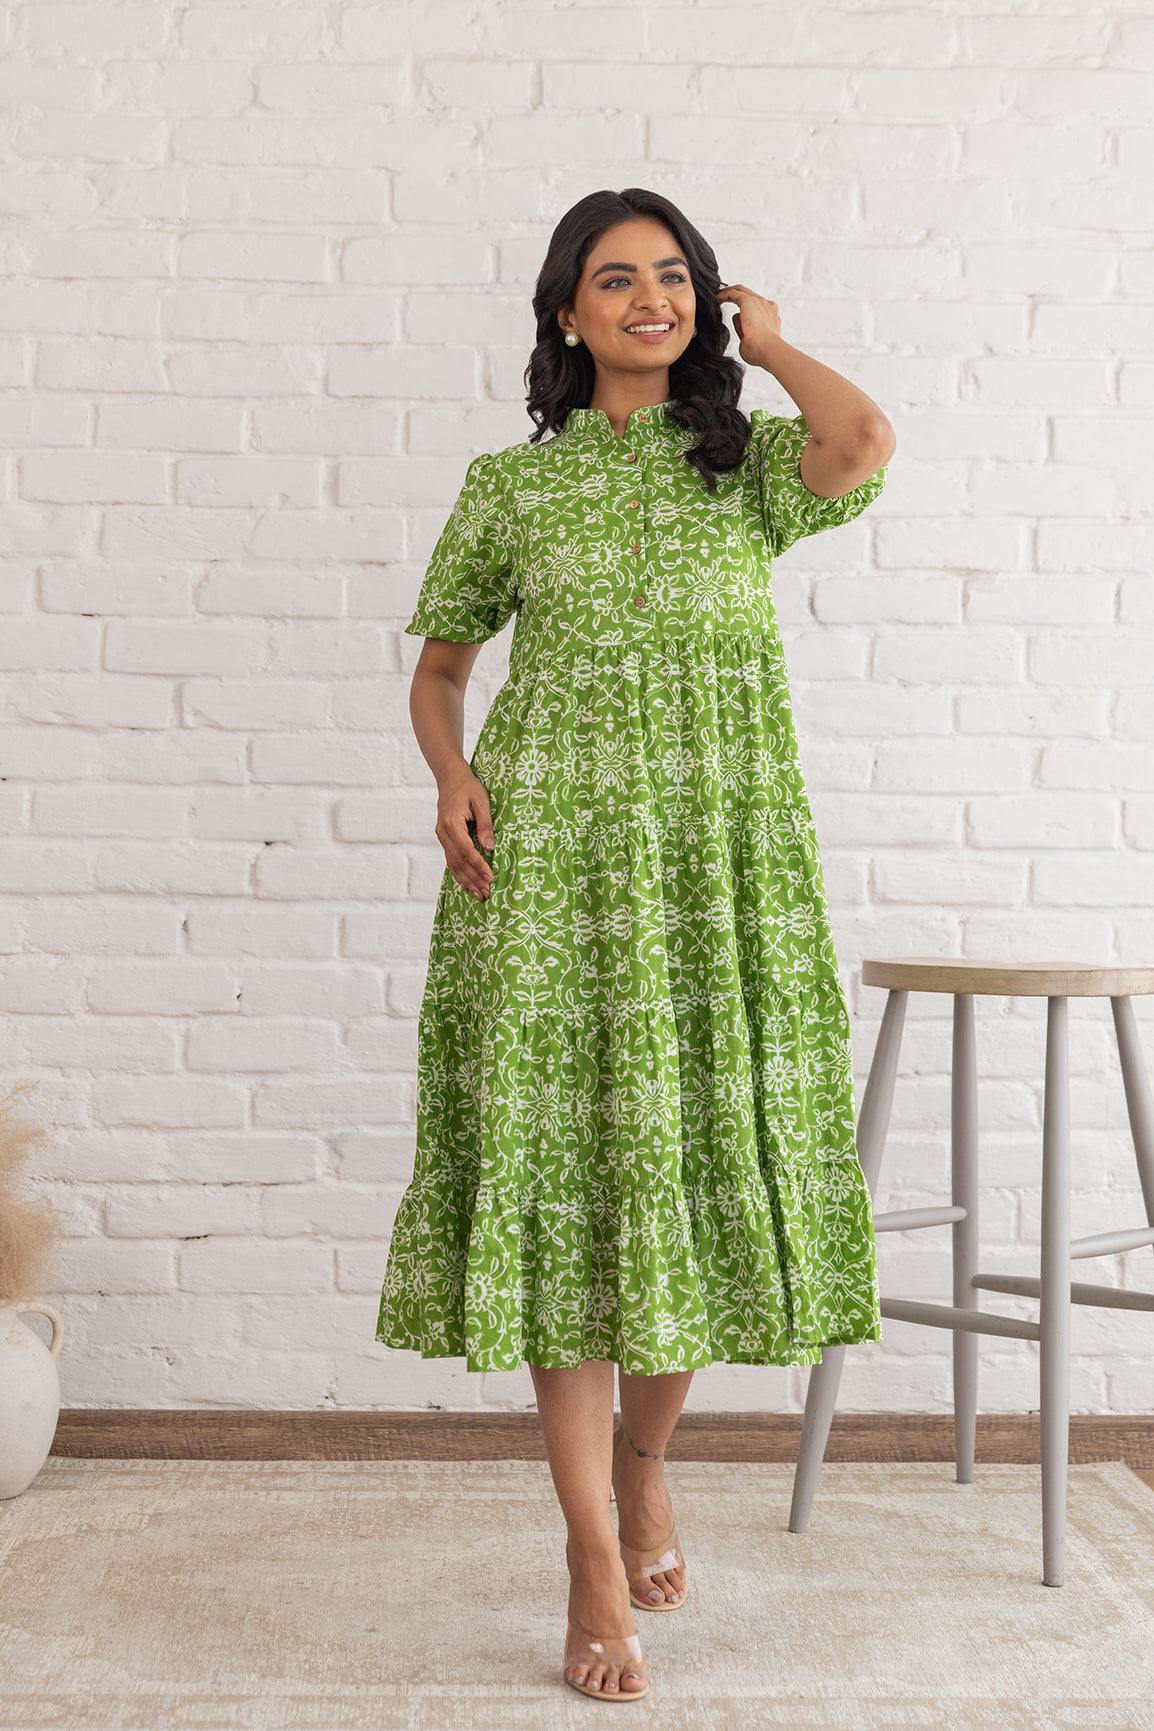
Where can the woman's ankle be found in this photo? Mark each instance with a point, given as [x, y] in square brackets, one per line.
[633, 1468]
[588, 1549]
[651, 1460]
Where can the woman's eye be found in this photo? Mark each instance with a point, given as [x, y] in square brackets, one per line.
[613, 281]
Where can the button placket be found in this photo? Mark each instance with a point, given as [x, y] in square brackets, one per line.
[635, 504]
[640, 599]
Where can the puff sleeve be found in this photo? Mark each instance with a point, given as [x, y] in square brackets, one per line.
[469, 591]
[789, 510]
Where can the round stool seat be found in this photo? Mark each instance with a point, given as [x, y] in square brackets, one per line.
[1008, 979]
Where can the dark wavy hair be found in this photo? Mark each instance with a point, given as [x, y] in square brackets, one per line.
[704, 382]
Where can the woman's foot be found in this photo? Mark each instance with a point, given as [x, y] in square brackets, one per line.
[599, 1612]
[645, 1521]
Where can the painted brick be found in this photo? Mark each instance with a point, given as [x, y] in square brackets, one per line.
[241, 391]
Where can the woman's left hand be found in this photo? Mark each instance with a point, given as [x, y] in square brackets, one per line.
[755, 321]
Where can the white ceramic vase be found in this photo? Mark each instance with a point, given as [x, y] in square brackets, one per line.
[29, 1395]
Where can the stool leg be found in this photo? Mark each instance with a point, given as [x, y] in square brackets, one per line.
[964, 1247]
[1054, 1294]
[824, 1377]
[1139, 1106]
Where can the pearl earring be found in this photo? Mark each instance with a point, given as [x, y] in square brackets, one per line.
[572, 338]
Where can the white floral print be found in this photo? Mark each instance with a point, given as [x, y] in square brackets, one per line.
[635, 1120]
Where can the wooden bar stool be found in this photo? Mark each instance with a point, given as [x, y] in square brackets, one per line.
[963, 979]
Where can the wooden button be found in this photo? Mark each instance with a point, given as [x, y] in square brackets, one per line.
[632, 457]
[633, 503]
[637, 546]
[639, 601]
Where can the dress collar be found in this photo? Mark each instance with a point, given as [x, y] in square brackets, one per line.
[593, 426]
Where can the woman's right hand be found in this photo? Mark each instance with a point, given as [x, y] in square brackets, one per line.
[460, 798]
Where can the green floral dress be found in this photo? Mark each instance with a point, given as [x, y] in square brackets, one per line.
[635, 1111]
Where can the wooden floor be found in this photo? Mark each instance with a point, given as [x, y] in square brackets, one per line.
[192, 1434]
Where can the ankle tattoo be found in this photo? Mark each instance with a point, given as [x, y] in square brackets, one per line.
[641, 1452]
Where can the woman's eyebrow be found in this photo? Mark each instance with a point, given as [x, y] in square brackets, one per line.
[658, 264]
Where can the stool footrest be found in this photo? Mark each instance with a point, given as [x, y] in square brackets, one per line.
[950, 1316]
[1110, 1243]
[905, 1219]
[1043, 1299]
[1081, 1291]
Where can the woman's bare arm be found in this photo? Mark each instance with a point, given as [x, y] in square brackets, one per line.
[437, 709]
[850, 437]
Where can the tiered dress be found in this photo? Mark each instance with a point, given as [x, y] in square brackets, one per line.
[635, 1110]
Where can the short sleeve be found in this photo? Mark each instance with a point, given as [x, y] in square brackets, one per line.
[469, 591]
[789, 510]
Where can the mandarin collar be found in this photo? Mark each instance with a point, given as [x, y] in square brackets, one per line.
[593, 426]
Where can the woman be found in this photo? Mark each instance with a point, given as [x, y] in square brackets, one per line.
[635, 1137]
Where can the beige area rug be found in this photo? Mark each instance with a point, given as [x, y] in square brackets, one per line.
[147, 1595]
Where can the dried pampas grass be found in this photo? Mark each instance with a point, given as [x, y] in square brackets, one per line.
[30, 1230]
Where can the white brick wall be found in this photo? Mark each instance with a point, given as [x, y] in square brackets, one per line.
[267, 272]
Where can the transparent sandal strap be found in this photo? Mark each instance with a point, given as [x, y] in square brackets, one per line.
[633, 1642]
[669, 1561]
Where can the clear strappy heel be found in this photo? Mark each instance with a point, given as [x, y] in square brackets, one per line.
[583, 1647]
[646, 1563]
[637, 1563]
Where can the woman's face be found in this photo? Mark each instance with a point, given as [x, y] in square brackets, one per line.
[634, 275]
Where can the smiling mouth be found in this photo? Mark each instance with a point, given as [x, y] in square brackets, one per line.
[651, 328]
